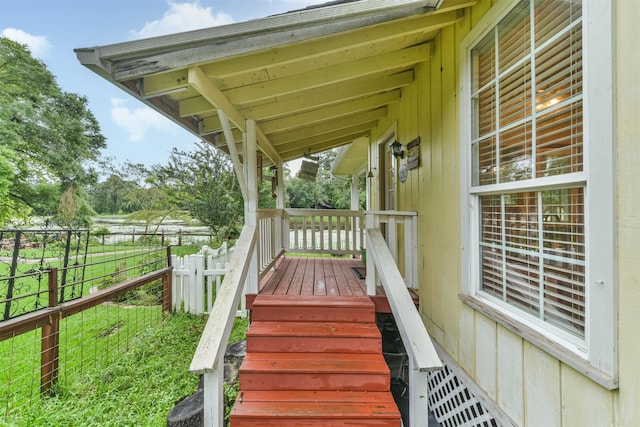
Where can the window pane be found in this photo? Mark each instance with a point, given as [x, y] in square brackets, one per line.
[515, 153]
[491, 232]
[484, 112]
[484, 162]
[521, 222]
[523, 282]
[491, 265]
[559, 141]
[563, 224]
[514, 36]
[483, 62]
[553, 14]
[559, 70]
[564, 302]
[515, 95]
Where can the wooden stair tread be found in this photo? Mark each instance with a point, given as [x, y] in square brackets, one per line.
[312, 301]
[293, 409]
[315, 396]
[314, 329]
[314, 362]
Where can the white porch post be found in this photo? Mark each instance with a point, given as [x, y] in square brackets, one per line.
[282, 226]
[251, 201]
[214, 395]
[372, 274]
[355, 195]
[418, 396]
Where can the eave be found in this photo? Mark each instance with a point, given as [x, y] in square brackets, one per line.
[311, 79]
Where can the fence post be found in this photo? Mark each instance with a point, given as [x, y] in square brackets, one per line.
[50, 339]
[167, 284]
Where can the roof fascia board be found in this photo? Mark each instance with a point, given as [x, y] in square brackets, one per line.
[245, 37]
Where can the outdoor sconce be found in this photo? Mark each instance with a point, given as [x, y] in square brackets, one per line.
[397, 150]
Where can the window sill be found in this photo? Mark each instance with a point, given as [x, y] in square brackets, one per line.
[542, 342]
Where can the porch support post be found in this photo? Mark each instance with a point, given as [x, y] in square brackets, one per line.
[282, 226]
[355, 196]
[251, 201]
[418, 396]
[372, 274]
[214, 395]
[280, 194]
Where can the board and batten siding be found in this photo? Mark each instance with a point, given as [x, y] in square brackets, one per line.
[532, 387]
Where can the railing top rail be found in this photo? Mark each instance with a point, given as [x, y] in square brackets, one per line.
[414, 335]
[319, 212]
[392, 213]
[218, 328]
[268, 213]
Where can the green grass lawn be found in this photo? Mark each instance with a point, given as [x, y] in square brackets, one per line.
[136, 383]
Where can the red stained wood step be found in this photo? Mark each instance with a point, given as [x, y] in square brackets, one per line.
[315, 408]
[316, 414]
[298, 308]
[314, 371]
[313, 337]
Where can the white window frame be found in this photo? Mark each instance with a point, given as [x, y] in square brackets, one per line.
[597, 355]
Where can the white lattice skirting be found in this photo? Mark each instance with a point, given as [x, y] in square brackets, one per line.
[453, 404]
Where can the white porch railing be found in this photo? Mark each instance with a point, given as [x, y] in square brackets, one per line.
[209, 356]
[417, 342]
[331, 231]
[271, 232]
[396, 224]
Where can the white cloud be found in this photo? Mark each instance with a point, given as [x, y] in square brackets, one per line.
[138, 121]
[38, 45]
[182, 17]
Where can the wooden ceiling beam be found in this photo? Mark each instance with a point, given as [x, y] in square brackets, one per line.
[330, 75]
[199, 81]
[308, 99]
[324, 145]
[325, 127]
[321, 136]
[329, 113]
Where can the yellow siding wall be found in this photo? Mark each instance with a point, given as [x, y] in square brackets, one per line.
[532, 387]
[627, 16]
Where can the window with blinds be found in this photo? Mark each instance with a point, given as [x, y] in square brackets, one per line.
[527, 161]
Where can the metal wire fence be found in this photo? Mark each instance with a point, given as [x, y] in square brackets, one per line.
[65, 319]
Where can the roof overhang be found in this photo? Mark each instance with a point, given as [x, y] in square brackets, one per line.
[351, 159]
[312, 79]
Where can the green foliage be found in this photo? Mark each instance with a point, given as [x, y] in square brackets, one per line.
[139, 386]
[327, 191]
[47, 136]
[203, 182]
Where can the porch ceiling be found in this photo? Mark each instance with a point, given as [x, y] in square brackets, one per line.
[312, 80]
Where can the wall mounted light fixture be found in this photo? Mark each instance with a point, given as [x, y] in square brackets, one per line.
[397, 150]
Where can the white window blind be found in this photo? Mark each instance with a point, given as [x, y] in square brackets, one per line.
[527, 128]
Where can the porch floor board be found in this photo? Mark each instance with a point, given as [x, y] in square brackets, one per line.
[313, 276]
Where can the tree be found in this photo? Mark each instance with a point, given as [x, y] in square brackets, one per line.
[203, 182]
[145, 197]
[47, 135]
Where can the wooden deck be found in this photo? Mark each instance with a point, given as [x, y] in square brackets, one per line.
[313, 276]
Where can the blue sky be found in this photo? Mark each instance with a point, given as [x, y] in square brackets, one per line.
[53, 28]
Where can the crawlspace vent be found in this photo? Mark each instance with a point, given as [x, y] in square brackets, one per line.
[453, 404]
